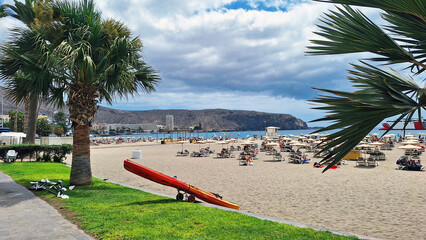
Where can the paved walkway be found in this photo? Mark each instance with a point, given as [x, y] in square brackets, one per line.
[25, 216]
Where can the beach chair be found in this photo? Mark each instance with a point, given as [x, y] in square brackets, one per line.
[371, 162]
[11, 156]
[382, 157]
[361, 162]
[278, 157]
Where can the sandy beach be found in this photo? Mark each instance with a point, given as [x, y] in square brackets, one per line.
[381, 202]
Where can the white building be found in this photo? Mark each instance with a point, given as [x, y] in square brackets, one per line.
[272, 132]
[170, 122]
[105, 127]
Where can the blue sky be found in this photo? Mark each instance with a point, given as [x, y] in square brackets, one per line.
[246, 55]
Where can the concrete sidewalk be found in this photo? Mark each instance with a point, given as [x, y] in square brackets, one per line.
[25, 216]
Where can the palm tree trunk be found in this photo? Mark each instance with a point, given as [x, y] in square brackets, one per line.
[26, 114]
[81, 173]
[82, 105]
[15, 123]
[32, 118]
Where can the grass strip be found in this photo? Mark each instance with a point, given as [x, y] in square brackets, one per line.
[110, 211]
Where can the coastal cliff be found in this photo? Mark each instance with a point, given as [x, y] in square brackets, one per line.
[210, 119]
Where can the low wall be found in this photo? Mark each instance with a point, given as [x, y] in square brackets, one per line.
[56, 140]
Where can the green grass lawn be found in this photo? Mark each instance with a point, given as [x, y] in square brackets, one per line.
[110, 211]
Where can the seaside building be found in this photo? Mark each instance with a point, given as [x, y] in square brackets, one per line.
[170, 123]
[272, 132]
[105, 128]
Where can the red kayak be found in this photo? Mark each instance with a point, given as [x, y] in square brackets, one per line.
[181, 186]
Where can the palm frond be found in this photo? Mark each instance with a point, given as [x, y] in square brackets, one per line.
[381, 94]
[413, 35]
[349, 31]
[3, 11]
[413, 7]
[24, 12]
[25, 64]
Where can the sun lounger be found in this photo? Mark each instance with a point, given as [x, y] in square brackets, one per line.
[361, 162]
[246, 161]
[182, 154]
[278, 157]
[371, 162]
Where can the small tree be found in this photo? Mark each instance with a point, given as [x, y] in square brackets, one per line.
[58, 130]
[20, 123]
[43, 127]
[61, 120]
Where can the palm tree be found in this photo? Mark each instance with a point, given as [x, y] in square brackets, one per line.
[34, 14]
[100, 61]
[84, 60]
[382, 92]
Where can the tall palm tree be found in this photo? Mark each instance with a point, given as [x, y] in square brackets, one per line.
[382, 92]
[99, 61]
[85, 60]
[34, 14]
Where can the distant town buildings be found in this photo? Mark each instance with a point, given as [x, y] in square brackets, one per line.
[6, 118]
[105, 128]
[170, 122]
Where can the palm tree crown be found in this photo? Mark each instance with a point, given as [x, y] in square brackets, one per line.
[81, 61]
[382, 92]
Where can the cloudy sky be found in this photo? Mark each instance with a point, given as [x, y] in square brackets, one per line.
[244, 54]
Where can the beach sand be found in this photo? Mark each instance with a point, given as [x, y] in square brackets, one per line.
[380, 202]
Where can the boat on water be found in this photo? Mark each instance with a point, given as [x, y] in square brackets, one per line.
[413, 124]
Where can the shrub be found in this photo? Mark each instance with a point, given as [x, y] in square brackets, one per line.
[46, 153]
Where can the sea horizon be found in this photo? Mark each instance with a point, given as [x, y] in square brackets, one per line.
[246, 134]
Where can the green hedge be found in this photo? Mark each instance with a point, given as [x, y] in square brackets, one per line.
[45, 153]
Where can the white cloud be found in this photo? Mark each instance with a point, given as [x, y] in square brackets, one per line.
[211, 57]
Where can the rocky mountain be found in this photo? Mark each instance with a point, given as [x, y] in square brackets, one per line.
[211, 119]
[8, 105]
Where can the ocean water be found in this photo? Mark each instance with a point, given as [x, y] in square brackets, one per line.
[246, 134]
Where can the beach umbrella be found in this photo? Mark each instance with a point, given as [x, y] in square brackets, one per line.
[272, 144]
[181, 142]
[410, 147]
[210, 141]
[363, 146]
[299, 144]
[389, 135]
[222, 143]
[200, 142]
[410, 142]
